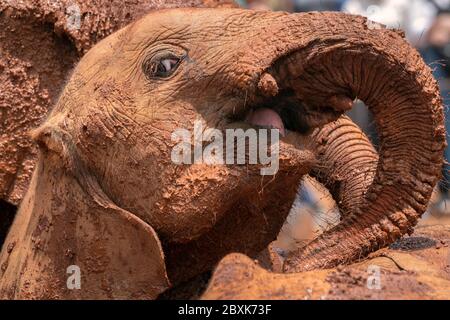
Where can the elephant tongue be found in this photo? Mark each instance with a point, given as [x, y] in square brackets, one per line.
[267, 118]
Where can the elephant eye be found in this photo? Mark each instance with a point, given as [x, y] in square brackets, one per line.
[161, 67]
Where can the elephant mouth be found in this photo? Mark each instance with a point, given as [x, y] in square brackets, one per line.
[286, 107]
[287, 112]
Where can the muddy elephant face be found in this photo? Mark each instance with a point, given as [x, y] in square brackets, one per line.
[171, 71]
[294, 72]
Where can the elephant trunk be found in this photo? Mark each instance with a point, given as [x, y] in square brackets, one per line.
[347, 162]
[329, 60]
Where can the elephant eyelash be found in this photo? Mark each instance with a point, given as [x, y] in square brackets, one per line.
[162, 66]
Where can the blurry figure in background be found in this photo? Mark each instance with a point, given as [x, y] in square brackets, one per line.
[415, 17]
[314, 5]
[437, 54]
[277, 5]
[258, 5]
[313, 212]
[293, 5]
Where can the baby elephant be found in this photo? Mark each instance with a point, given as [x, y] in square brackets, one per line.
[112, 213]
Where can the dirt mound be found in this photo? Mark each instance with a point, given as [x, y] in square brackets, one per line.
[415, 267]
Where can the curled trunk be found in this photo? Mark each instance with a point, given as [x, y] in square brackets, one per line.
[344, 57]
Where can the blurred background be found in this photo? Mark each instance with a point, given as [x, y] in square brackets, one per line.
[427, 27]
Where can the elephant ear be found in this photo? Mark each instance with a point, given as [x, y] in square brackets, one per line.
[119, 256]
[130, 257]
[129, 251]
[86, 236]
[97, 251]
[41, 43]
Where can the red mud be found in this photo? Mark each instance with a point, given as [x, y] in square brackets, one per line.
[416, 267]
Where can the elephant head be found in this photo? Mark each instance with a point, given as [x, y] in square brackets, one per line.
[31, 83]
[108, 197]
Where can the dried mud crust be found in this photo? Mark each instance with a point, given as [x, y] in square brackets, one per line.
[411, 269]
[30, 83]
[40, 43]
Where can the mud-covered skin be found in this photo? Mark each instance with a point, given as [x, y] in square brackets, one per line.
[107, 144]
[76, 137]
[40, 43]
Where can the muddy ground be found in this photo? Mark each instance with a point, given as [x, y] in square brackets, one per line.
[415, 267]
